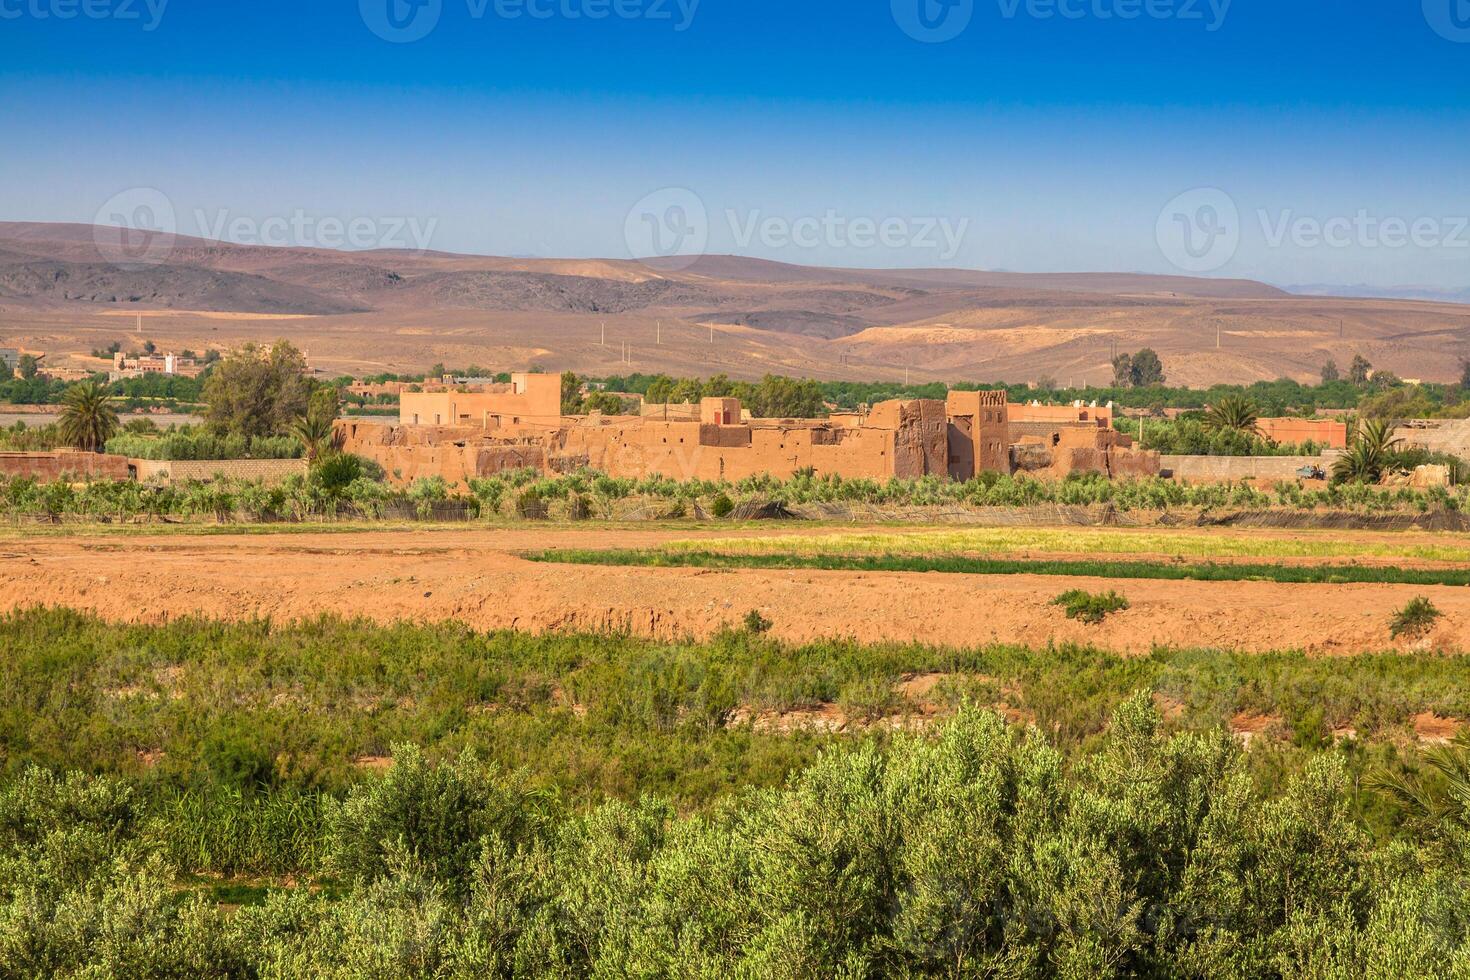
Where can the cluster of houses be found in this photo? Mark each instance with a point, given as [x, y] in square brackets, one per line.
[462, 432]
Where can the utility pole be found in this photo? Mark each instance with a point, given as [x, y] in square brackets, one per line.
[1217, 336]
[659, 335]
[604, 333]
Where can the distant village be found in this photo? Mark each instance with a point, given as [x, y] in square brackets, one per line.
[460, 429]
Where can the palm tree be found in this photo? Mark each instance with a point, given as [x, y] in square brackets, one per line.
[88, 418]
[1367, 458]
[1233, 414]
[316, 434]
[1437, 801]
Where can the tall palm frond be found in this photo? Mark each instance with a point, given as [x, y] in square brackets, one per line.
[88, 417]
[1365, 460]
[1233, 413]
[1437, 800]
[316, 434]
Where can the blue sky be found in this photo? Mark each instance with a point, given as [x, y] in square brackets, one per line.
[1029, 140]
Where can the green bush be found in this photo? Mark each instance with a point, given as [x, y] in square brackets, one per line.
[969, 850]
[531, 505]
[1088, 607]
[335, 472]
[433, 818]
[20, 496]
[756, 624]
[1416, 618]
[722, 506]
[187, 443]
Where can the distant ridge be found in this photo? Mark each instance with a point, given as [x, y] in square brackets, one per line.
[1431, 293]
[400, 310]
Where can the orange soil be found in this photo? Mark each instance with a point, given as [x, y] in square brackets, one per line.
[475, 576]
[1430, 727]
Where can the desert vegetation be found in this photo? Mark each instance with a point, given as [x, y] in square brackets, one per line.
[1090, 607]
[966, 565]
[1416, 618]
[1172, 544]
[353, 488]
[336, 799]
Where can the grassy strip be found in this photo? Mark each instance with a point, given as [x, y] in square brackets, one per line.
[1075, 540]
[962, 565]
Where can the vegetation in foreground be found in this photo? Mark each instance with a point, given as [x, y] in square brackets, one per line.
[529, 837]
[341, 485]
[967, 565]
[973, 852]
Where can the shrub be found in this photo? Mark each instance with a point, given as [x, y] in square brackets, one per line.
[531, 505]
[723, 506]
[1090, 608]
[490, 492]
[579, 508]
[334, 472]
[756, 624]
[435, 818]
[1415, 619]
[868, 699]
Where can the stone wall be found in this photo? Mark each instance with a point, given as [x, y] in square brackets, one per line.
[1081, 450]
[409, 452]
[65, 464]
[907, 439]
[269, 471]
[1451, 436]
[1294, 432]
[1225, 469]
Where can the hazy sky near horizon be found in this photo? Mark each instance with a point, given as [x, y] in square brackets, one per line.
[1295, 141]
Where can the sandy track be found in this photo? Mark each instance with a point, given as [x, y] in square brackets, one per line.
[475, 576]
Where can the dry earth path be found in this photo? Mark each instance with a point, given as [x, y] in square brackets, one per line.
[476, 576]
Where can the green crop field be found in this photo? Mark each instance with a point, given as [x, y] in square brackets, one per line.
[961, 565]
[1082, 540]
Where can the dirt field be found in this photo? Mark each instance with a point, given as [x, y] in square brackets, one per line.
[477, 576]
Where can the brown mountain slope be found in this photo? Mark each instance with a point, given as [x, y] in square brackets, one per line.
[388, 310]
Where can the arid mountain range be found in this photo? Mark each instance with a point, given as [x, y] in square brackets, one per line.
[67, 289]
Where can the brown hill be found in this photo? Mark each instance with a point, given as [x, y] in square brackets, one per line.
[391, 310]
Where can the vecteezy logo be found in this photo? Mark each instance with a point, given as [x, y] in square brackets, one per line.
[1199, 231]
[670, 225]
[401, 21]
[933, 21]
[1449, 18]
[135, 227]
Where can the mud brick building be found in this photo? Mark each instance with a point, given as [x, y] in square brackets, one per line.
[463, 434]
